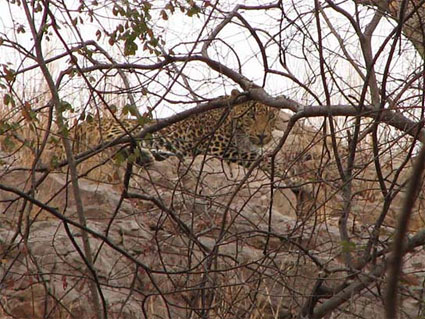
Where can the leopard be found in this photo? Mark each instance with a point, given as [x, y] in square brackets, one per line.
[235, 134]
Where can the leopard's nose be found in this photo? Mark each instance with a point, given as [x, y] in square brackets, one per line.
[261, 137]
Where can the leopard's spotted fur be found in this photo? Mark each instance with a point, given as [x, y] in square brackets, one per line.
[235, 135]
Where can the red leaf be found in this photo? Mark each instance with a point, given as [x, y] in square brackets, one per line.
[64, 282]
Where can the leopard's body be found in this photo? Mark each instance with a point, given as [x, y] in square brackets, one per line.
[236, 134]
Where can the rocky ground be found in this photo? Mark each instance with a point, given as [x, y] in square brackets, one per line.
[194, 239]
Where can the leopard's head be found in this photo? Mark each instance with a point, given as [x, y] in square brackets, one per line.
[255, 120]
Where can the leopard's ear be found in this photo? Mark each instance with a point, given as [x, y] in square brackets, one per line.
[273, 114]
[252, 111]
[235, 93]
[236, 124]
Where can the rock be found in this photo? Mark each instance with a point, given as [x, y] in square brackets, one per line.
[199, 234]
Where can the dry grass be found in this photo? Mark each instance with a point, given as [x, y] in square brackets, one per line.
[24, 136]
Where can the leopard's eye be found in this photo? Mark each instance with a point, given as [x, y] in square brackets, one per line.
[272, 115]
[252, 112]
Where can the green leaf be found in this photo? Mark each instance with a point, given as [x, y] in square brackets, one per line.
[194, 10]
[347, 246]
[130, 47]
[7, 99]
[89, 118]
[153, 42]
[4, 126]
[65, 106]
[9, 74]
[129, 108]
[54, 161]
[119, 157]
[124, 110]
[33, 115]
[53, 140]
[65, 132]
[144, 120]
[132, 158]
[113, 108]
[8, 144]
